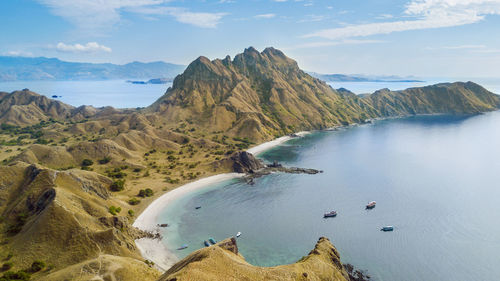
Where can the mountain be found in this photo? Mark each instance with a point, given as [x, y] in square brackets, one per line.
[41, 68]
[71, 178]
[224, 262]
[263, 95]
[361, 78]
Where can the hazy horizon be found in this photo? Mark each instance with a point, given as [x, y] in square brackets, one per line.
[403, 37]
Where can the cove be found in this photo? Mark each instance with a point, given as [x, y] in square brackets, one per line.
[435, 178]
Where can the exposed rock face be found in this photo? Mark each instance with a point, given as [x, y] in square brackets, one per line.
[244, 162]
[260, 95]
[223, 262]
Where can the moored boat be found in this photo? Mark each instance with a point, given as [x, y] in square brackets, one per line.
[212, 241]
[238, 234]
[330, 214]
[206, 243]
[371, 205]
[183, 247]
[387, 228]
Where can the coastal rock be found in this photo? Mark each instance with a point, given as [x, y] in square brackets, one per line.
[244, 162]
[223, 262]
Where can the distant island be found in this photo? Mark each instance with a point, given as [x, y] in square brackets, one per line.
[152, 81]
[42, 68]
[361, 78]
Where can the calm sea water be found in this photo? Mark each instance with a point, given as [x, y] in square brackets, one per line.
[119, 94]
[435, 178]
[116, 93]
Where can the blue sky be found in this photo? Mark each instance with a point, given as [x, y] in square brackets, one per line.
[444, 38]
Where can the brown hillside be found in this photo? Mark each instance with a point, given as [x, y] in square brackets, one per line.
[223, 262]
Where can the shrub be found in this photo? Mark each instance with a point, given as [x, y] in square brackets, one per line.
[105, 160]
[37, 266]
[114, 210]
[131, 213]
[8, 265]
[87, 162]
[134, 201]
[148, 192]
[118, 185]
[19, 275]
[137, 170]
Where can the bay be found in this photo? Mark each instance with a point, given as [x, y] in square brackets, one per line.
[435, 178]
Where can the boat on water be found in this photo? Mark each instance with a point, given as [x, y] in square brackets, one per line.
[330, 214]
[206, 243]
[197, 207]
[238, 234]
[387, 228]
[371, 205]
[212, 241]
[183, 247]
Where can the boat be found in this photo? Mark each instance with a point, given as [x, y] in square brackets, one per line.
[387, 228]
[183, 247]
[212, 241]
[197, 207]
[163, 225]
[206, 243]
[238, 234]
[371, 205]
[330, 214]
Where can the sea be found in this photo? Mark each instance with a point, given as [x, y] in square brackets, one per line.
[121, 94]
[434, 178]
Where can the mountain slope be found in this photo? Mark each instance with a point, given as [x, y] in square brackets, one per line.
[263, 95]
[41, 68]
[256, 95]
[223, 262]
[451, 98]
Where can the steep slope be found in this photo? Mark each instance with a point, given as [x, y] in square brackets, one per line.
[451, 98]
[263, 95]
[223, 262]
[60, 217]
[256, 95]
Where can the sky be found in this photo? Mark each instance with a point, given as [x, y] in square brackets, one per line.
[422, 38]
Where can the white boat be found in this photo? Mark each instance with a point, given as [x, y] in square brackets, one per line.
[238, 234]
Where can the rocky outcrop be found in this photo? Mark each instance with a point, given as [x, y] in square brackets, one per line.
[224, 262]
[244, 162]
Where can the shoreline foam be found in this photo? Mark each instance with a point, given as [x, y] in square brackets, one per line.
[154, 249]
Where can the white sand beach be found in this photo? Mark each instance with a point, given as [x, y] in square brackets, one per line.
[256, 150]
[154, 249]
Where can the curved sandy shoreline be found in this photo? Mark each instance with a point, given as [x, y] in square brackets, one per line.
[154, 249]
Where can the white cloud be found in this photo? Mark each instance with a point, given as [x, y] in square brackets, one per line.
[90, 47]
[459, 47]
[334, 43]
[265, 16]
[18, 54]
[427, 14]
[96, 15]
[205, 20]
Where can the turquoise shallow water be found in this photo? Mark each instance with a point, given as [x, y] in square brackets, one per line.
[435, 178]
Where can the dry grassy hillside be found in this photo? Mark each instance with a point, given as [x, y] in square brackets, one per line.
[223, 262]
[73, 179]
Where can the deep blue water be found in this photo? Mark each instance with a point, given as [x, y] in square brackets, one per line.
[435, 178]
[116, 93]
